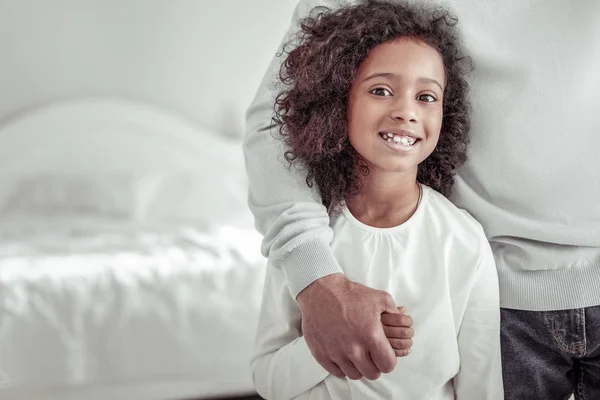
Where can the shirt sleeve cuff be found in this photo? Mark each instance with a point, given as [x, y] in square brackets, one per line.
[307, 263]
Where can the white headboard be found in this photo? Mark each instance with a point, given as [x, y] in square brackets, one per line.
[118, 157]
[107, 135]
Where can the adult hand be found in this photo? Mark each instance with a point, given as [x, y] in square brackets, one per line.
[341, 323]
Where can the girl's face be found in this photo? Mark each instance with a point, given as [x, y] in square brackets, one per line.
[395, 105]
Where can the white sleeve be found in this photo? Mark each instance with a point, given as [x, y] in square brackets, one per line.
[480, 374]
[289, 214]
[283, 366]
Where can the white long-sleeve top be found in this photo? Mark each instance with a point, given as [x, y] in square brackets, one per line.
[440, 266]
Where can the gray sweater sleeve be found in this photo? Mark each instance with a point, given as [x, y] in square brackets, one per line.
[287, 212]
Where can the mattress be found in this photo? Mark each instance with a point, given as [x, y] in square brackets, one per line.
[101, 303]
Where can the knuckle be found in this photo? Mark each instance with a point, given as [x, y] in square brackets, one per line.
[385, 296]
[407, 333]
[371, 334]
[356, 354]
[354, 377]
[402, 353]
[387, 362]
[388, 366]
[403, 344]
[373, 375]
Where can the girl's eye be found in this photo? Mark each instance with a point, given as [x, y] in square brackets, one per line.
[427, 98]
[381, 92]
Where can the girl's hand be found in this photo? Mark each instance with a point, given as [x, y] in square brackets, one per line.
[398, 329]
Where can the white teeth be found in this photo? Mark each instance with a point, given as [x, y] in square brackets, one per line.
[404, 140]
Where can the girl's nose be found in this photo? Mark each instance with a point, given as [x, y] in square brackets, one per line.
[405, 110]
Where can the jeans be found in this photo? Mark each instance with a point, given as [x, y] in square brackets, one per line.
[551, 355]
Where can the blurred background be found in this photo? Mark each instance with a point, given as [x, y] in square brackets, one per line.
[129, 265]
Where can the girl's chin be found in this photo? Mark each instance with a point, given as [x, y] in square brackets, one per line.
[392, 168]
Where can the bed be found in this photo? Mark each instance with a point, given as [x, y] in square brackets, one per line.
[129, 264]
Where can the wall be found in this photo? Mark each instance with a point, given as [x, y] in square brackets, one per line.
[201, 58]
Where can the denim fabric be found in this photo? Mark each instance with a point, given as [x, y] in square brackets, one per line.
[551, 355]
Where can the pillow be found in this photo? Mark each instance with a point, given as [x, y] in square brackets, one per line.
[201, 198]
[47, 194]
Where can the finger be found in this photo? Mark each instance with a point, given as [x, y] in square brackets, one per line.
[396, 319]
[402, 310]
[401, 344]
[383, 356]
[349, 369]
[402, 353]
[333, 369]
[398, 333]
[366, 367]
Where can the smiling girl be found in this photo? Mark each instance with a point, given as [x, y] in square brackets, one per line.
[376, 112]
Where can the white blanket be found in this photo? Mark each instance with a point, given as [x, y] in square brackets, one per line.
[88, 301]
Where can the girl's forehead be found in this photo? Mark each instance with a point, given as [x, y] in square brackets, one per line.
[404, 56]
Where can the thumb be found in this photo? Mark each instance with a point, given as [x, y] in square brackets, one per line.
[389, 306]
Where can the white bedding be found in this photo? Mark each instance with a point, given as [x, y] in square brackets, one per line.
[98, 301]
[129, 265]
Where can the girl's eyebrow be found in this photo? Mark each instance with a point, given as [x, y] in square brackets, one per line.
[393, 76]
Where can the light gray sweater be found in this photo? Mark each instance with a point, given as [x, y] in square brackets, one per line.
[533, 175]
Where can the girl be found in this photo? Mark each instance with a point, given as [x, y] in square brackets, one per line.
[376, 112]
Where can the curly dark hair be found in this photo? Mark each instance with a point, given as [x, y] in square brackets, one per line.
[319, 70]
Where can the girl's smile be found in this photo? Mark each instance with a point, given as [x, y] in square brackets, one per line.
[401, 140]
